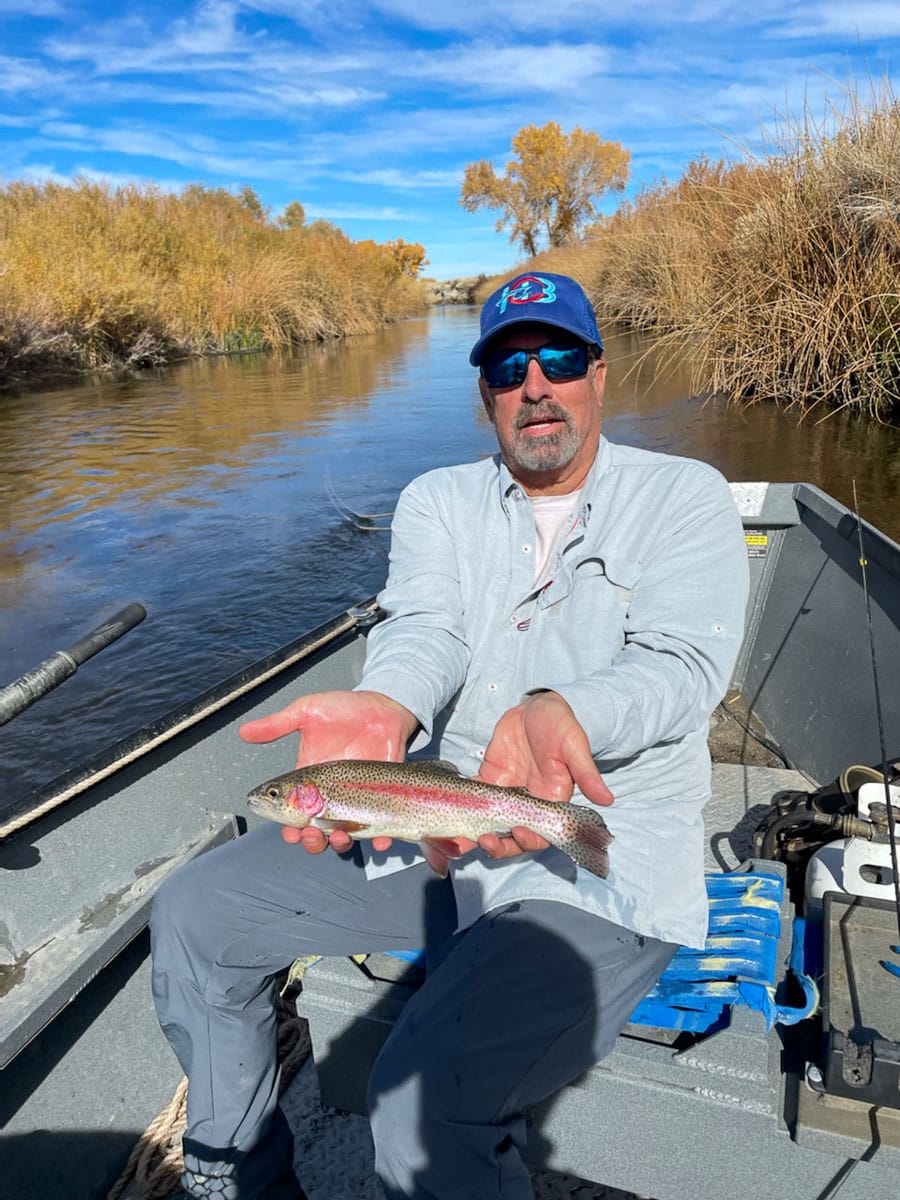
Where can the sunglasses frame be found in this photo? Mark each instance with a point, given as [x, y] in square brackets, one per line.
[589, 354]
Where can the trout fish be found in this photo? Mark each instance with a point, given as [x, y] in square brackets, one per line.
[429, 803]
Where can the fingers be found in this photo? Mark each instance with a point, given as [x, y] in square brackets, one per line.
[494, 772]
[310, 839]
[340, 841]
[520, 841]
[583, 769]
[314, 841]
[275, 725]
[527, 839]
[590, 784]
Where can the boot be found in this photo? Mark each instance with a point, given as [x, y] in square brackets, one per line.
[263, 1173]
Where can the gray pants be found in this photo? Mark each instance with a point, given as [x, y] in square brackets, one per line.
[511, 1011]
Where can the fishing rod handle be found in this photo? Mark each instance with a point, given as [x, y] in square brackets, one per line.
[22, 692]
[43, 678]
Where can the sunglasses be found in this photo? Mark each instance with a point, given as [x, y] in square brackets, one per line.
[508, 368]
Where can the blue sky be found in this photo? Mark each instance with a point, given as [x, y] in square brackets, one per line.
[368, 112]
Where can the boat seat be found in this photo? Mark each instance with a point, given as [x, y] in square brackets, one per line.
[739, 965]
[750, 916]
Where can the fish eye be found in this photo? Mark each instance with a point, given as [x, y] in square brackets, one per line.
[272, 793]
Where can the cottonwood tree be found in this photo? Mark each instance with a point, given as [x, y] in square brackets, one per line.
[549, 192]
[294, 216]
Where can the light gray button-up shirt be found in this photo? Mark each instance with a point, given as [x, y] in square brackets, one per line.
[638, 629]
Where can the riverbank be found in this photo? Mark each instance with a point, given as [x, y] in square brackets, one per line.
[776, 277]
[454, 291]
[96, 278]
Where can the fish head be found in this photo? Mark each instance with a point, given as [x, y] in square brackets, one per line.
[290, 799]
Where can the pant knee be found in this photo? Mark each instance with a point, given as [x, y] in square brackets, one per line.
[410, 1088]
[182, 927]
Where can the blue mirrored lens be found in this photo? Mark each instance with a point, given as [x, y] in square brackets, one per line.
[508, 368]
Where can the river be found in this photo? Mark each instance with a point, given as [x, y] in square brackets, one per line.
[214, 492]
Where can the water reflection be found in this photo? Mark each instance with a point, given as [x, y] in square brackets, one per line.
[178, 435]
[204, 491]
[648, 404]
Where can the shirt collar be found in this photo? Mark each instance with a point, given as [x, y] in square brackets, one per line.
[511, 492]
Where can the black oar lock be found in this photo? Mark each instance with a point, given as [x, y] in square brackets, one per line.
[22, 692]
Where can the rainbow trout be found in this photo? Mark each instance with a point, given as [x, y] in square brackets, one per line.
[429, 803]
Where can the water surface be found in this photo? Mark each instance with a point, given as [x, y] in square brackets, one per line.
[214, 492]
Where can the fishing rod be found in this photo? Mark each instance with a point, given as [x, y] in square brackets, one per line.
[894, 968]
[22, 692]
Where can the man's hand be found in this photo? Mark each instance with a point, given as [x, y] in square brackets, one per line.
[334, 725]
[539, 745]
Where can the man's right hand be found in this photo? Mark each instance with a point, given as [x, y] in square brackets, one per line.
[335, 725]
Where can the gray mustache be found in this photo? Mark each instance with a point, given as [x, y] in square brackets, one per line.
[548, 413]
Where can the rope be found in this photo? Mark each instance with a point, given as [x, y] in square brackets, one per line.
[154, 1167]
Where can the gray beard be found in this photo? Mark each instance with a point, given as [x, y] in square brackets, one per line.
[550, 452]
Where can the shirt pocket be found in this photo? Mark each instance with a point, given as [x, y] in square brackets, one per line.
[586, 627]
[618, 572]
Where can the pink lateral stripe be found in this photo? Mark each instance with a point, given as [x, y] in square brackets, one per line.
[407, 791]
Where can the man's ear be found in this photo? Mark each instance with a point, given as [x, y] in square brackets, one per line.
[599, 379]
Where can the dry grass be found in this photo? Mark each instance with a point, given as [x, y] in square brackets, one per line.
[94, 277]
[780, 275]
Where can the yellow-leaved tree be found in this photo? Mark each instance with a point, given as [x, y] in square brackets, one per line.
[549, 192]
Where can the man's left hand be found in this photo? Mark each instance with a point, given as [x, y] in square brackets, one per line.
[539, 745]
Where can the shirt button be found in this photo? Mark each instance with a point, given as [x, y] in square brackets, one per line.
[480, 752]
[526, 549]
[513, 619]
[492, 687]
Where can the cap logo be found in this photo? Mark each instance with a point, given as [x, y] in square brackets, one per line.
[530, 289]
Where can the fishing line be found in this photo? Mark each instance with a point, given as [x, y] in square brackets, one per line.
[892, 836]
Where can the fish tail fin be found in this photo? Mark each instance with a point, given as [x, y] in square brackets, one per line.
[585, 840]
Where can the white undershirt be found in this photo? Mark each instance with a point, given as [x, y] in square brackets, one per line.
[551, 522]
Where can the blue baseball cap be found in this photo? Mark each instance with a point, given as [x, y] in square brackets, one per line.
[549, 299]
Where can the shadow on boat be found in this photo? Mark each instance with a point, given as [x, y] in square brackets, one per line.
[49, 1161]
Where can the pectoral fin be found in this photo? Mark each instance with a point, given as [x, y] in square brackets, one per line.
[330, 826]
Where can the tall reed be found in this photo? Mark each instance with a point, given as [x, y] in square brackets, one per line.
[93, 276]
[779, 275]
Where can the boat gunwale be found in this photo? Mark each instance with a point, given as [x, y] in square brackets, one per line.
[140, 742]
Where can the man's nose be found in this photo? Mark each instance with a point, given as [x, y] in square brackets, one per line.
[536, 386]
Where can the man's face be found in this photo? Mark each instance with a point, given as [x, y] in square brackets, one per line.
[548, 431]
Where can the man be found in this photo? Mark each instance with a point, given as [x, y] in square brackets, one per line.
[562, 617]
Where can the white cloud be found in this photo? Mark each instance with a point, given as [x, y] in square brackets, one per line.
[402, 180]
[511, 70]
[863, 21]
[358, 212]
[29, 75]
[43, 173]
[589, 17]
